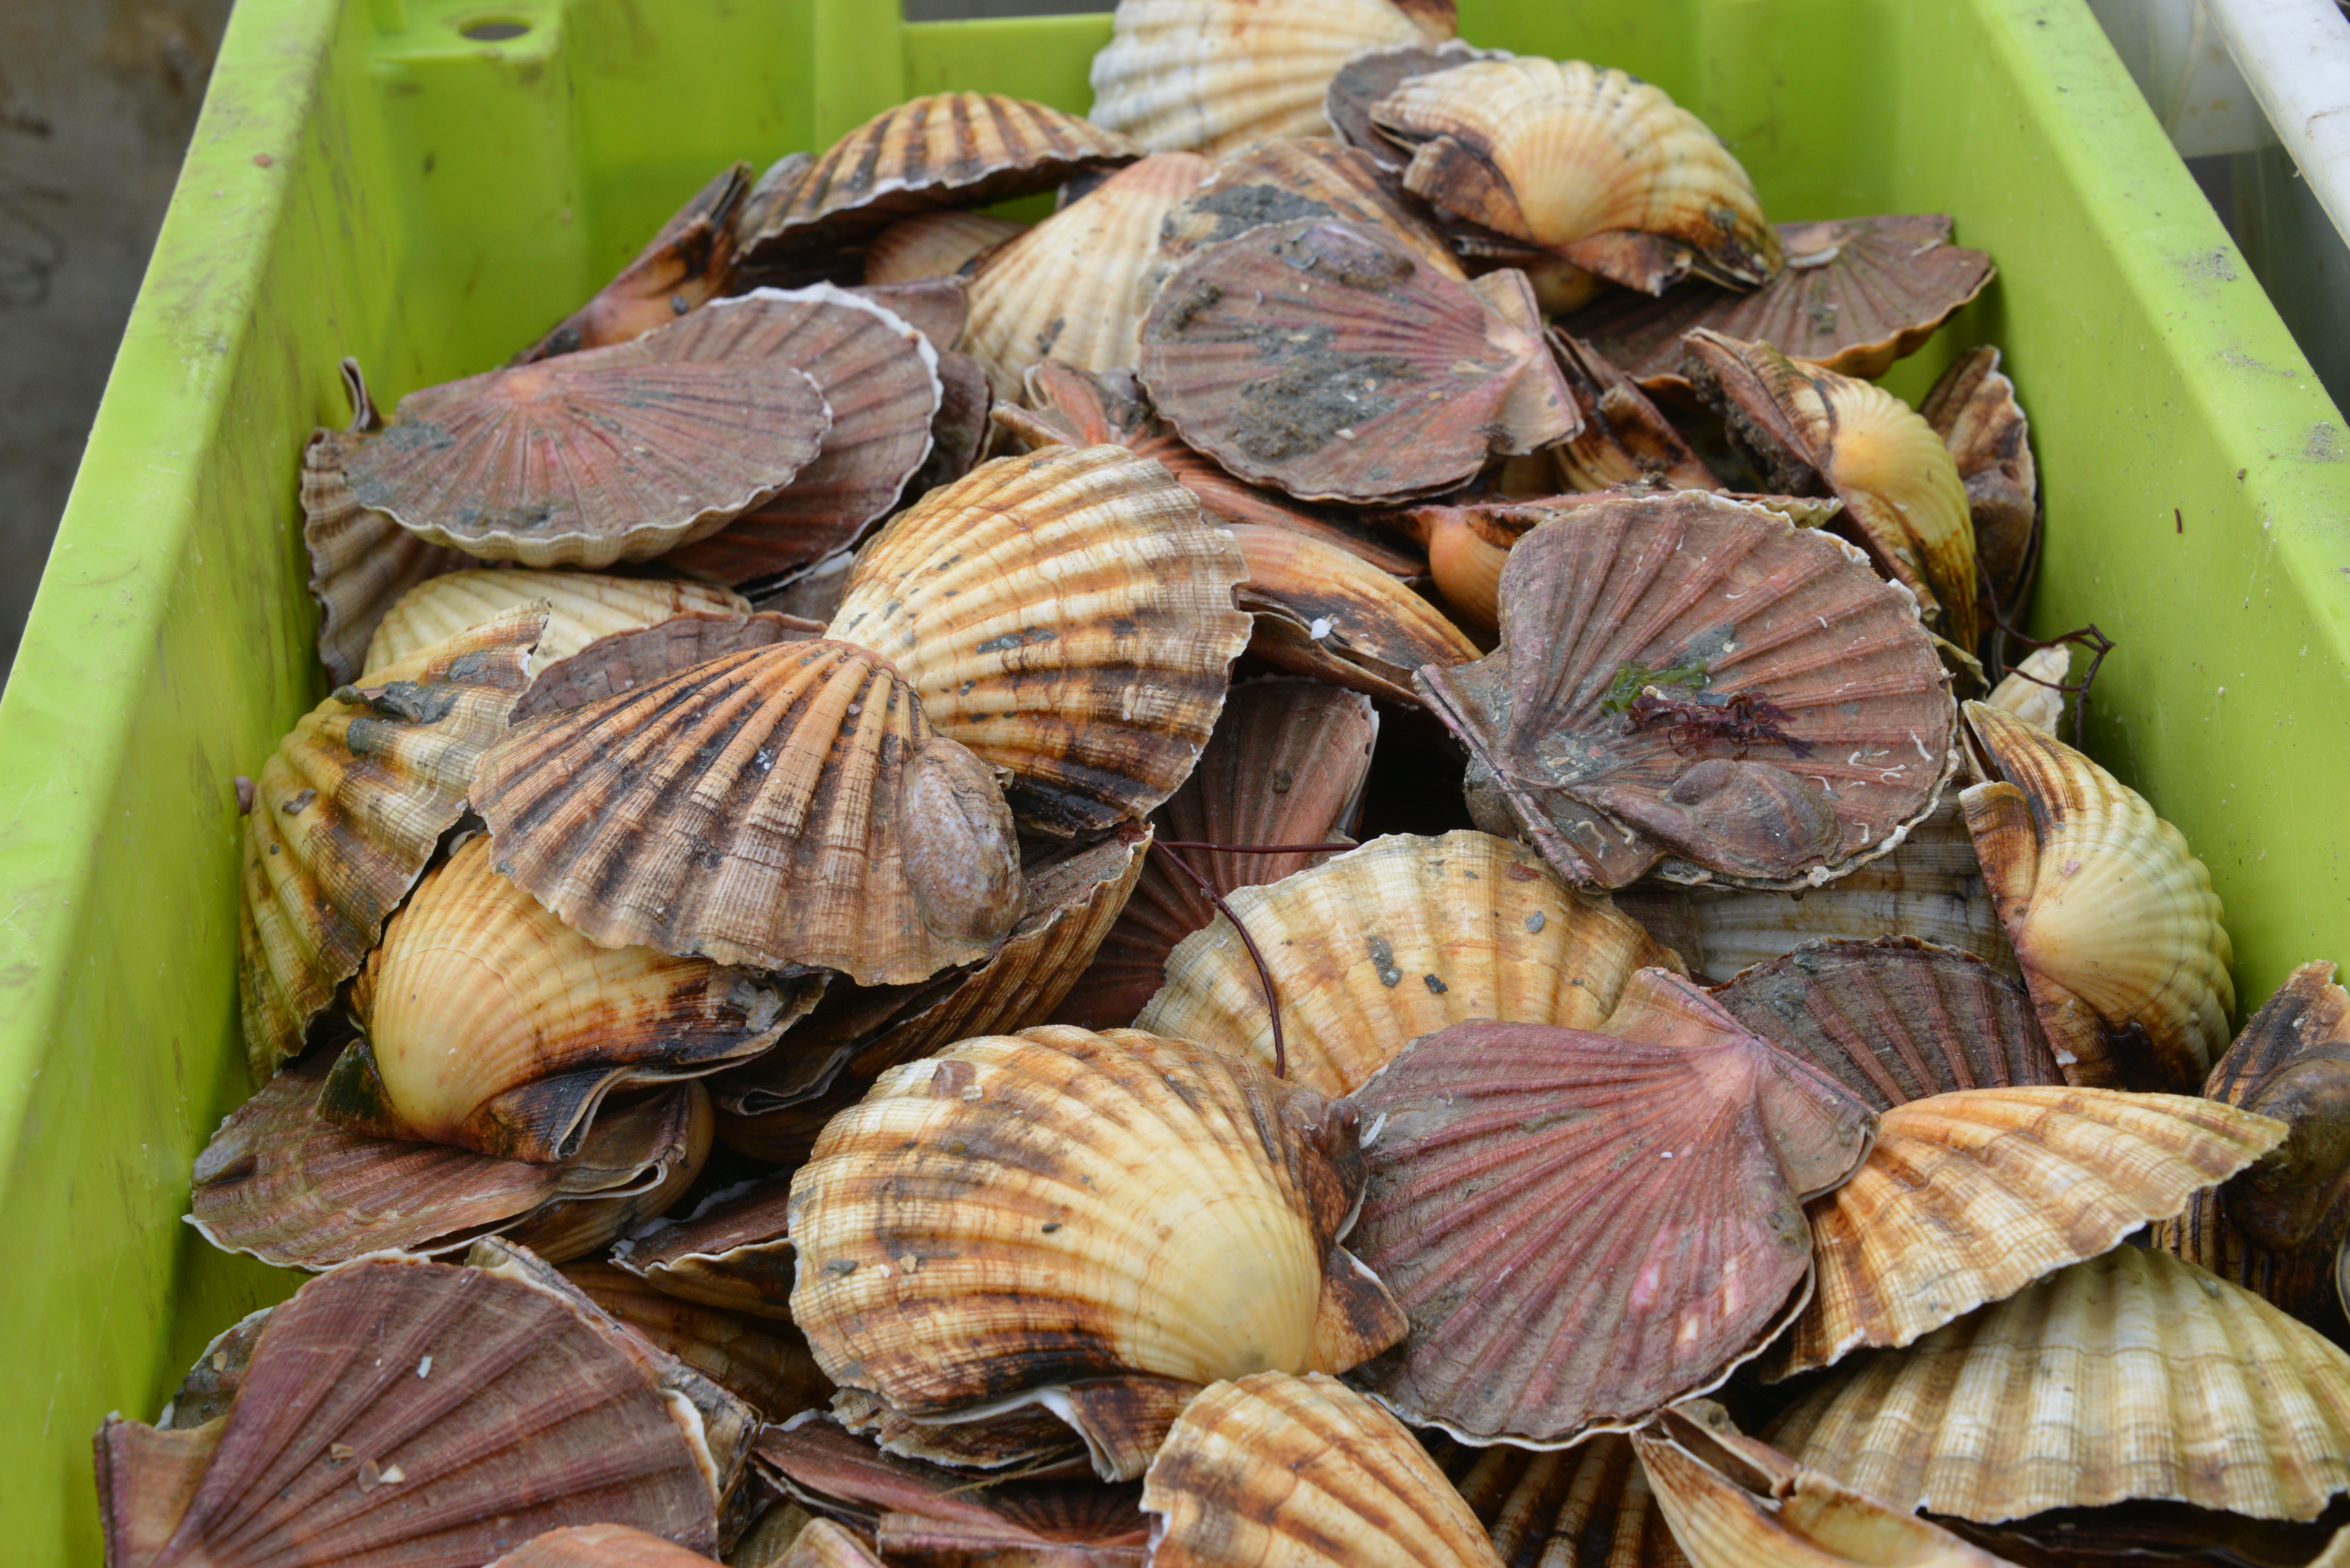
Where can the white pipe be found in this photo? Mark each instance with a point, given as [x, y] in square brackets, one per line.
[2295, 56]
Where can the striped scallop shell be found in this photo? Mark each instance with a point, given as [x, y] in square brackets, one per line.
[1371, 75]
[1970, 1197]
[824, 824]
[348, 812]
[768, 1366]
[1381, 945]
[1593, 1498]
[2112, 917]
[1974, 409]
[1066, 615]
[1075, 287]
[2129, 1375]
[1028, 1212]
[490, 1024]
[582, 608]
[934, 245]
[618, 663]
[601, 1546]
[1282, 180]
[1302, 1471]
[690, 260]
[1321, 610]
[1569, 156]
[1209, 76]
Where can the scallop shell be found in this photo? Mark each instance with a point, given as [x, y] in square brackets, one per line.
[490, 1024]
[826, 825]
[601, 1546]
[1592, 1499]
[731, 1252]
[690, 260]
[1066, 615]
[279, 1183]
[2128, 964]
[1213, 75]
[1973, 409]
[1171, 1215]
[1075, 287]
[2030, 689]
[528, 464]
[1397, 940]
[582, 608]
[1371, 75]
[934, 245]
[1625, 440]
[1969, 1197]
[512, 1409]
[1572, 156]
[1321, 358]
[361, 561]
[1723, 603]
[2131, 1374]
[570, 1227]
[937, 307]
[945, 149]
[1299, 1471]
[879, 376]
[824, 1544]
[1281, 181]
[1321, 610]
[1465, 555]
[1285, 766]
[1807, 428]
[348, 814]
[1858, 294]
[1028, 1440]
[1528, 1183]
[616, 664]
[769, 1368]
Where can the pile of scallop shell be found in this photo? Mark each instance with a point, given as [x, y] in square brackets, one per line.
[1329, 860]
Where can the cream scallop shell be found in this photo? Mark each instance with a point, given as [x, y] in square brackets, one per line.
[582, 608]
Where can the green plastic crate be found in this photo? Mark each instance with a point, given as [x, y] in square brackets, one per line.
[367, 180]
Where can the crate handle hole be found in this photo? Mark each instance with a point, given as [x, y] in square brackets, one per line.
[494, 29]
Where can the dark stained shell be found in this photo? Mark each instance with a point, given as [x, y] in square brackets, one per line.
[1625, 440]
[688, 262]
[1858, 294]
[1586, 1227]
[828, 825]
[1321, 358]
[616, 664]
[1592, 1499]
[1027, 1440]
[348, 812]
[731, 1252]
[1370, 76]
[959, 435]
[766, 1365]
[1283, 181]
[1321, 610]
[933, 244]
[1691, 606]
[1974, 409]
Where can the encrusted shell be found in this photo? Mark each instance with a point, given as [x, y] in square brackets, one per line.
[690, 260]
[2131, 1374]
[618, 663]
[1075, 287]
[1029, 1212]
[1648, 645]
[1322, 611]
[1592, 1499]
[1974, 409]
[1598, 166]
[1397, 940]
[1585, 1228]
[489, 1023]
[581, 608]
[1282, 180]
[1066, 615]
[1213, 75]
[2112, 917]
[768, 1367]
[824, 823]
[348, 814]
[934, 245]
[1303, 1472]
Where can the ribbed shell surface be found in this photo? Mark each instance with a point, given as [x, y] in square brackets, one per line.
[1321, 610]
[1381, 945]
[2112, 916]
[582, 606]
[1973, 409]
[1067, 616]
[601, 1546]
[1551, 1507]
[348, 812]
[1373, 73]
[1282, 180]
[764, 1364]
[2132, 1375]
[783, 806]
[618, 663]
[933, 244]
[361, 561]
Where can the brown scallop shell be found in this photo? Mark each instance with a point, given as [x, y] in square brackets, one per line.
[690, 260]
[1974, 409]
[1321, 358]
[1286, 767]
[1213, 75]
[1586, 1227]
[1371, 75]
[619, 663]
[2129, 1375]
[1066, 615]
[348, 812]
[1625, 440]
[502, 1410]
[1592, 1499]
[1284, 180]
[1397, 940]
[1074, 1164]
[945, 149]
[1321, 610]
[1027, 1440]
[601, 1546]
[1858, 294]
[824, 1544]
[731, 1252]
[581, 608]
[1726, 604]
[1304, 1472]
[768, 1366]
[1075, 287]
[2112, 917]
[934, 245]
[826, 825]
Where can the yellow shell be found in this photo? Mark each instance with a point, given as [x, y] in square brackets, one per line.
[933, 244]
[349, 811]
[2112, 917]
[1377, 947]
[1029, 1212]
[2129, 1375]
[1969, 1197]
[1213, 75]
[1274, 1470]
[582, 606]
[2029, 691]
[1562, 153]
[1075, 287]
[1065, 615]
